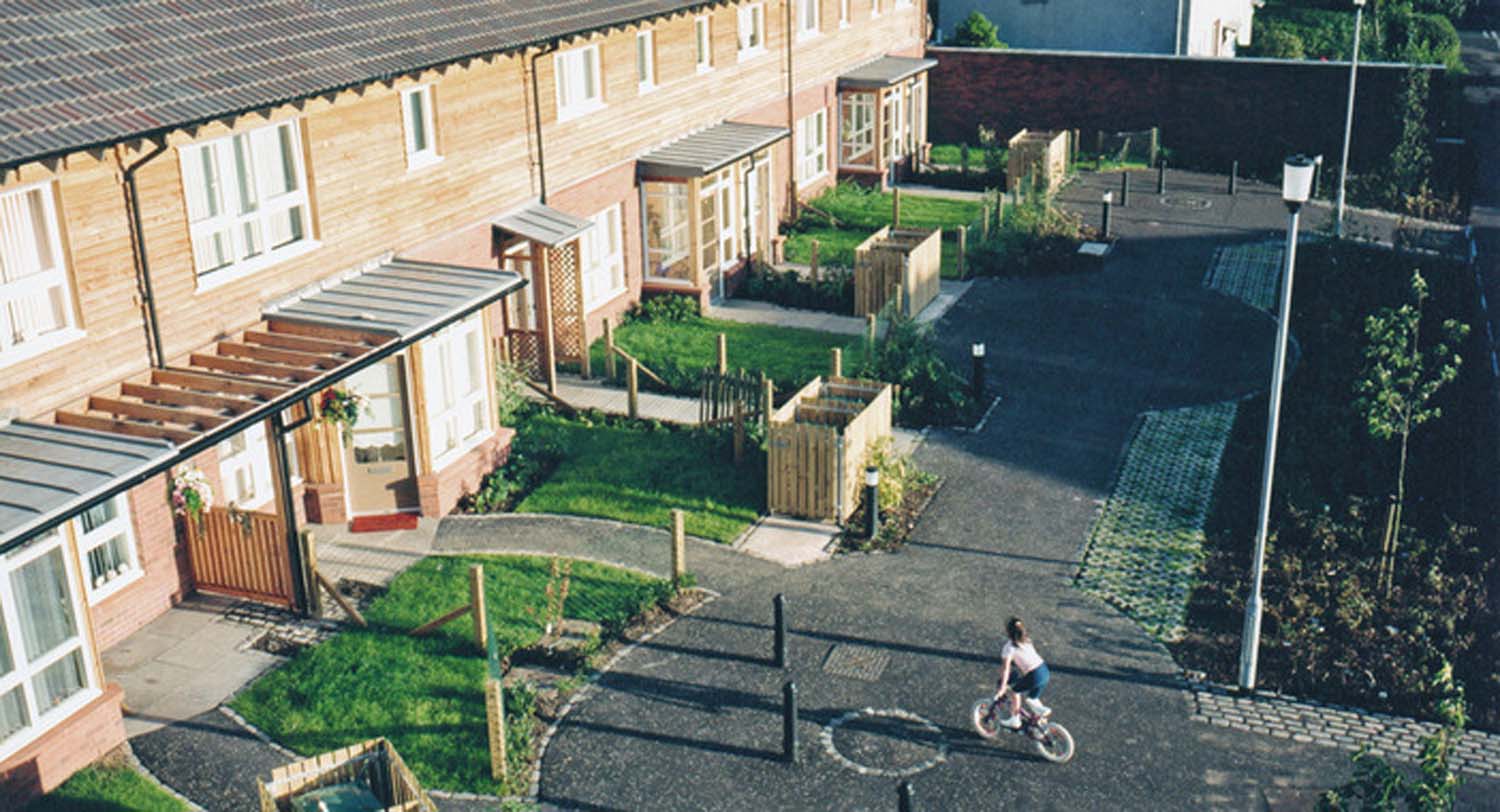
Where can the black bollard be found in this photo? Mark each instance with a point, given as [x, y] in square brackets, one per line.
[1317, 175]
[976, 379]
[904, 799]
[1125, 188]
[1161, 176]
[1104, 216]
[872, 501]
[1234, 178]
[789, 722]
[778, 655]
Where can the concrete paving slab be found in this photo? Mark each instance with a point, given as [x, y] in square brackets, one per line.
[949, 292]
[790, 542]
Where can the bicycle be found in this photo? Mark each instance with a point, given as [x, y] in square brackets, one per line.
[1052, 741]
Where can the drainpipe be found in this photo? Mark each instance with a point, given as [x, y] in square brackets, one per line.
[791, 120]
[138, 249]
[536, 115]
[1177, 48]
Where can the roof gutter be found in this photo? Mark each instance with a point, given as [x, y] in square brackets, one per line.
[138, 249]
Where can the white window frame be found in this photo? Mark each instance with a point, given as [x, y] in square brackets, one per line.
[427, 155]
[441, 371]
[812, 154]
[753, 18]
[602, 253]
[703, 43]
[48, 282]
[225, 222]
[808, 10]
[572, 69]
[843, 13]
[903, 3]
[253, 461]
[677, 231]
[90, 540]
[645, 60]
[874, 8]
[861, 138]
[24, 670]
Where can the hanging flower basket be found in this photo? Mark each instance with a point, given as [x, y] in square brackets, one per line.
[341, 407]
[191, 494]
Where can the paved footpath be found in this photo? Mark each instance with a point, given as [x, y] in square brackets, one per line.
[691, 720]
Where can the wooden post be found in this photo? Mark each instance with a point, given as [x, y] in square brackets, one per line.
[814, 259]
[963, 249]
[494, 711]
[837, 367]
[723, 354]
[768, 399]
[549, 342]
[679, 545]
[1000, 210]
[739, 432]
[609, 348]
[310, 564]
[870, 330]
[984, 222]
[896, 209]
[963, 159]
[632, 388]
[896, 298]
[586, 362]
[476, 605]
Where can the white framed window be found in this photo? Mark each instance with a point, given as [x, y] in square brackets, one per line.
[579, 87]
[46, 670]
[668, 230]
[36, 301]
[246, 200]
[421, 134]
[812, 147]
[843, 13]
[703, 44]
[857, 130]
[453, 377]
[106, 548]
[902, 3]
[808, 14]
[245, 468]
[875, 8]
[752, 30]
[603, 258]
[645, 60]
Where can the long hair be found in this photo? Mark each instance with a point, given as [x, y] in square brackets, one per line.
[1016, 630]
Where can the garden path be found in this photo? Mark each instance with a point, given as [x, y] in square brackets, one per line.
[596, 394]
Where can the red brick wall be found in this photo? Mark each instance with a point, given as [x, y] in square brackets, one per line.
[439, 491]
[1211, 111]
[68, 747]
[164, 567]
[588, 198]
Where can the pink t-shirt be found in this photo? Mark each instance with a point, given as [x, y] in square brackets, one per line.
[1023, 656]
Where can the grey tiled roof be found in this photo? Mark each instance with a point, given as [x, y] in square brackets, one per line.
[76, 74]
[543, 224]
[707, 150]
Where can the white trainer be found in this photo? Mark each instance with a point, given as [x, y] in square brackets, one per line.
[1011, 722]
[1037, 707]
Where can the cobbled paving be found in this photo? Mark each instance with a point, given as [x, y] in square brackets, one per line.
[1307, 721]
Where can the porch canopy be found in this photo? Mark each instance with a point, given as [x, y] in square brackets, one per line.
[49, 473]
[707, 151]
[541, 223]
[307, 342]
[884, 72]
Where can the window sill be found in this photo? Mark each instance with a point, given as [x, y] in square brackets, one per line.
[571, 113]
[422, 160]
[452, 455]
[702, 69]
[224, 276]
[646, 87]
[805, 36]
[40, 346]
[604, 299]
[96, 596]
[748, 54]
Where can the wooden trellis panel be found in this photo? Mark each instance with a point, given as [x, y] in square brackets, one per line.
[526, 352]
[565, 283]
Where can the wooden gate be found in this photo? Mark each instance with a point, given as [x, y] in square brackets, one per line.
[241, 553]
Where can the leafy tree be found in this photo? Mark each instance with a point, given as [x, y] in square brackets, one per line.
[976, 31]
[1398, 383]
[1278, 42]
[1377, 785]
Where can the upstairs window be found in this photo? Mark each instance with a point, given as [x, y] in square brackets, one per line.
[36, 305]
[416, 114]
[843, 13]
[645, 60]
[246, 199]
[603, 259]
[752, 30]
[874, 8]
[106, 545]
[812, 147]
[807, 18]
[703, 44]
[579, 89]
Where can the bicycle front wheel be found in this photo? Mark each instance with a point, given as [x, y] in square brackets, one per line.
[986, 723]
[1055, 743]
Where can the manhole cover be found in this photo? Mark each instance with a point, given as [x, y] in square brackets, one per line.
[856, 662]
[890, 742]
[1186, 202]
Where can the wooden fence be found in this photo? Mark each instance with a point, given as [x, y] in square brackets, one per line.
[718, 392]
[372, 764]
[1038, 157]
[897, 263]
[818, 445]
[241, 553]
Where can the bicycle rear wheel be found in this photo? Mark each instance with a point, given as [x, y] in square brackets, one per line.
[986, 723]
[1055, 743]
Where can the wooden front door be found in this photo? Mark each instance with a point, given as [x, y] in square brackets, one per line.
[379, 456]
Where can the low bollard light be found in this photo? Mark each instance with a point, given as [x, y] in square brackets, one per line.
[1109, 199]
[905, 797]
[789, 722]
[872, 501]
[976, 375]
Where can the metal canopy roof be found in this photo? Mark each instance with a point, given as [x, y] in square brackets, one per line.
[708, 150]
[543, 224]
[401, 297]
[884, 72]
[47, 472]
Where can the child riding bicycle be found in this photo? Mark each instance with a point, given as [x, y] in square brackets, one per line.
[1019, 657]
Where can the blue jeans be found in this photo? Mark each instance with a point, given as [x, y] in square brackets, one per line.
[1032, 683]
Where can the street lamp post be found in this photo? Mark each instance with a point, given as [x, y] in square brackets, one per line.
[1338, 220]
[1296, 186]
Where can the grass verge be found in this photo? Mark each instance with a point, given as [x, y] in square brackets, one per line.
[426, 694]
[859, 211]
[108, 788]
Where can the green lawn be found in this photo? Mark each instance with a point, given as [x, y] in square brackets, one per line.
[1101, 164]
[952, 155]
[860, 211]
[679, 350]
[836, 247]
[426, 694]
[638, 474]
[108, 789]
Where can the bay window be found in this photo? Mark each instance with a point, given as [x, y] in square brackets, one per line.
[857, 130]
[246, 199]
[603, 258]
[106, 548]
[668, 233]
[454, 380]
[812, 147]
[36, 303]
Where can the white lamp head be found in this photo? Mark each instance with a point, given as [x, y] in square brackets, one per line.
[1109, 197]
[1296, 180]
[1360, 3]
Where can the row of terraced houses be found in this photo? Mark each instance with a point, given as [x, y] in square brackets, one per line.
[211, 214]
